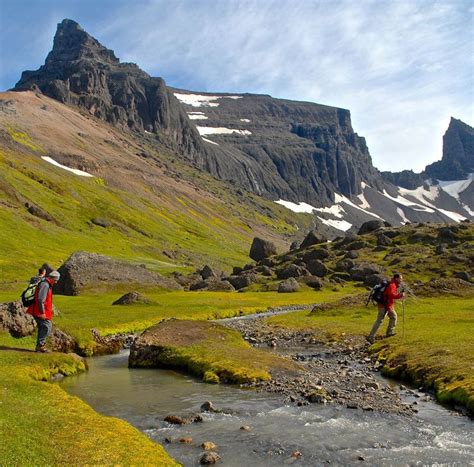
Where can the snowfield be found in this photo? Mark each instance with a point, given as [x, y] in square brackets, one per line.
[57, 164]
[200, 100]
[209, 130]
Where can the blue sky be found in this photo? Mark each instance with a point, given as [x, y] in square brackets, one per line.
[402, 67]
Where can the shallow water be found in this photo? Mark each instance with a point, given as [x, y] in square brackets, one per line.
[322, 434]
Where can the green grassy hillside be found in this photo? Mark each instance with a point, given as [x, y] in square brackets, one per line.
[144, 204]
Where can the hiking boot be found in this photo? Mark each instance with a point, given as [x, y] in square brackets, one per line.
[370, 339]
[41, 349]
[391, 334]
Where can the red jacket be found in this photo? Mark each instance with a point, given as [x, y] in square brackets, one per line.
[43, 304]
[391, 295]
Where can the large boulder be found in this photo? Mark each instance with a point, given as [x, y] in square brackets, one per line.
[216, 285]
[292, 270]
[261, 249]
[370, 226]
[313, 238]
[207, 272]
[318, 253]
[132, 298]
[18, 323]
[317, 268]
[289, 285]
[360, 271]
[383, 240]
[344, 265]
[15, 320]
[240, 282]
[84, 269]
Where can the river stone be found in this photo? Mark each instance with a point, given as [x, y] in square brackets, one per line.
[84, 269]
[210, 457]
[289, 285]
[261, 249]
[208, 445]
[183, 420]
[207, 407]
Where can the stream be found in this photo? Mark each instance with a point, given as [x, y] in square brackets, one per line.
[279, 434]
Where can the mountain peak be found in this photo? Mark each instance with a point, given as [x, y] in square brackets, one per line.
[72, 43]
[458, 153]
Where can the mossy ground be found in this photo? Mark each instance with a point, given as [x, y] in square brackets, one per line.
[211, 351]
[435, 350]
[40, 424]
[82, 313]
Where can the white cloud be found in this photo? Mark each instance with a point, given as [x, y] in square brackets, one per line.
[402, 68]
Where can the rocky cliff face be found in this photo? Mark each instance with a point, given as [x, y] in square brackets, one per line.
[82, 72]
[458, 153]
[297, 151]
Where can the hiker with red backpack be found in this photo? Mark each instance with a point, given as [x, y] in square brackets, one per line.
[42, 309]
[386, 307]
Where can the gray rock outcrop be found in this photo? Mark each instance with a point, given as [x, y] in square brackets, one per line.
[84, 269]
[261, 249]
[289, 285]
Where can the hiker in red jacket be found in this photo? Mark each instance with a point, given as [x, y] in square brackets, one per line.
[42, 309]
[390, 295]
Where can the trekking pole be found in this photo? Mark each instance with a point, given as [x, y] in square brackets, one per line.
[403, 318]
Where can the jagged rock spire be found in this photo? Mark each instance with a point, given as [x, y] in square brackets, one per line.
[72, 43]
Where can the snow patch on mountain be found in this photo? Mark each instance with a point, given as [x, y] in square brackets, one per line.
[209, 130]
[200, 100]
[401, 213]
[336, 210]
[300, 207]
[405, 202]
[342, 199]
[57, 164]
[245, 120]
[456, 187]
[339, 225]
[421, 194]
[209, 141]
[197, 116]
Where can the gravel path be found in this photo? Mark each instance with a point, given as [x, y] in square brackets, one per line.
[341, 373]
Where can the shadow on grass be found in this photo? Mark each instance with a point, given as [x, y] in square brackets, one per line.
[6, 347]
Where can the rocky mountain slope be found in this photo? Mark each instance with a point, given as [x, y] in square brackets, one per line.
[302, 155]
[69, 181]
